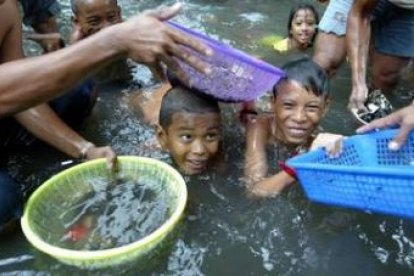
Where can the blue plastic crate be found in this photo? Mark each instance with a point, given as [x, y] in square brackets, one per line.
[366, 176]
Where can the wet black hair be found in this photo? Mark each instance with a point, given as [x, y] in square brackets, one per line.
[308, 74]
[297, 8]
[181, 98]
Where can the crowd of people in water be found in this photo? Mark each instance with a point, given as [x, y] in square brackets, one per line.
[46, 97]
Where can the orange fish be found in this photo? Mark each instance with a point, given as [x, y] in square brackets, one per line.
[77, 232]
[80, 230]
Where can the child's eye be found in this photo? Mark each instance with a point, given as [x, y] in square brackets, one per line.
[287, 105]
[313, 108]
[112, 17]
[93, 23]
[212, 137]
[186, 137]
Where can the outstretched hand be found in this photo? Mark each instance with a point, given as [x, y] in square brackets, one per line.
[403, 117]
[153, 42]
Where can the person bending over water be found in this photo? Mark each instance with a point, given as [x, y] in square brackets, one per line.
[23, 85]
[299, 103]
[190, 129]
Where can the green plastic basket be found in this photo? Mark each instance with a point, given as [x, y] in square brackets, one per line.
[58, 188]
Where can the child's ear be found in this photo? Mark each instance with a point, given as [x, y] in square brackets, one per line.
[326, 106]
[161, 137]
[273, 103]
[119, 12]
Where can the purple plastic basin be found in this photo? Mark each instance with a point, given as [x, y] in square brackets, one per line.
[235, 77]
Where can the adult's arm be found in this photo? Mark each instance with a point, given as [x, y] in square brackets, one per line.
[145, 38]
[57, 134]
[358, 39]
[41, 120]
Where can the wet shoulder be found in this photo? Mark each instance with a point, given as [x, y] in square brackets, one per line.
[282, 46]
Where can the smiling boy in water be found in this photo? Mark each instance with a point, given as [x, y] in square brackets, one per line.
[300, 101]
[91, 16]
[189, 128]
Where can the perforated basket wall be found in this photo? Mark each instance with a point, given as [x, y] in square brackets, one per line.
[235, 77]
[366, 176]
[39, 219]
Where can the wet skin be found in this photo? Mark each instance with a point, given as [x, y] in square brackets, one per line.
[297, 113]
[193, 140]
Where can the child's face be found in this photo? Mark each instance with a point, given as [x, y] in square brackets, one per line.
[303, 27]
[94, 15]
[192, 139]
[297, 112]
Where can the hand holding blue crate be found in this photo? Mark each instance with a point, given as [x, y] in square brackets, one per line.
[367, 175]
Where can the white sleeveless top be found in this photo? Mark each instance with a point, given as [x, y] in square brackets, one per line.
[405, 4]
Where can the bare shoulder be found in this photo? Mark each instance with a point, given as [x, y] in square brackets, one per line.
[147, 103]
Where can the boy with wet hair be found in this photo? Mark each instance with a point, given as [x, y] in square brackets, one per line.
[189, 128]
[91, 16]
[300, 101]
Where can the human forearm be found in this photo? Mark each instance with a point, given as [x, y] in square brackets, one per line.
[358, 39]
[271, 186]
[144, 38]
[255, 166]
[31, 81]
[52, 130]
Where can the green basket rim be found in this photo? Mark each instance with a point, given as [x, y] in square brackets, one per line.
[79, 255]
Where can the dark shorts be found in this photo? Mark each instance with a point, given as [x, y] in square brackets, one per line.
[393, 30]
[38, 11]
